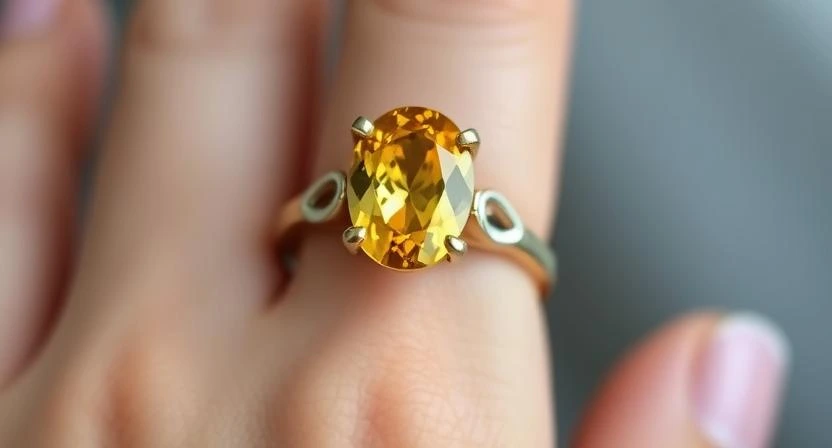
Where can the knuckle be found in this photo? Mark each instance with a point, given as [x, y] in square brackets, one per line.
[423, 408]
[313, 409]
[160, 25]
[466, 12]
[149, 394]
[61, 410]
[130, 380]
[213, 24]
[397, 390]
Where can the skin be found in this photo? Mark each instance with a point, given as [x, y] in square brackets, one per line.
[165, 330]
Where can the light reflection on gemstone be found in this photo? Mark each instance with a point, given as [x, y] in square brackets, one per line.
[410, 186]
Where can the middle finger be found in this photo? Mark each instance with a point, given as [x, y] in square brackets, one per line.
[206, 138]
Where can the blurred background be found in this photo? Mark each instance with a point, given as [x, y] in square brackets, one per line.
[698, 173]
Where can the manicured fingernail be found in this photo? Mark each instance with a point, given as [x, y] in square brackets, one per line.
[740, 379]
[22, 17]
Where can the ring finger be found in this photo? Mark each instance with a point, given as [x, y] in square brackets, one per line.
[436, 341]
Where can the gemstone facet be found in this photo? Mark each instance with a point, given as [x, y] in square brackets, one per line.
[410, 186]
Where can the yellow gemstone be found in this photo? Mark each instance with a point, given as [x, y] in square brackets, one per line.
[410, 186]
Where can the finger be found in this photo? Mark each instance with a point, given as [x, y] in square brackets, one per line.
[453, 331]
[208, 131]
[499, 67]
[704, 381]
[51, 59]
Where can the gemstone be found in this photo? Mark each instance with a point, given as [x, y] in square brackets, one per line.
[411, 186]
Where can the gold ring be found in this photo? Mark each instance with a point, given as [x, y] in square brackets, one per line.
[411, 201]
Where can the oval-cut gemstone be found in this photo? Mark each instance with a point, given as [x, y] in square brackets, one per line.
[410, 186]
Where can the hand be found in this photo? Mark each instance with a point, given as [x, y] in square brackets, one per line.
[165, 331]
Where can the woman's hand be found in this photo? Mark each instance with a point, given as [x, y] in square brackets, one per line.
[166, 332]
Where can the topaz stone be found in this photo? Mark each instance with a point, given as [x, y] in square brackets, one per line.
[411, 186]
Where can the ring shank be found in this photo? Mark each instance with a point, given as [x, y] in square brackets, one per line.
[494, 227]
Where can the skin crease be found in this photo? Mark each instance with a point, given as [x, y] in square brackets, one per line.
[169, 334]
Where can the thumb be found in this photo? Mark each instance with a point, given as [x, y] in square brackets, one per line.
[703, 381]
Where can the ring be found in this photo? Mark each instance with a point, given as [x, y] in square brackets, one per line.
[411, 202]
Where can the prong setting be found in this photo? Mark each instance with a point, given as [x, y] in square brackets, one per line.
[353, 237]
[362, 127]
[456, 247]
[469, 140]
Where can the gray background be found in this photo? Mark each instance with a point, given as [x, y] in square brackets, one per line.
[699, 147]
[697, 173]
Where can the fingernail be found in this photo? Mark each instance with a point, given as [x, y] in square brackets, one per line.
[22, 17]
[740, 379]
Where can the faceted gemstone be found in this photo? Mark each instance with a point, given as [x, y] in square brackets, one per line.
[410, 186]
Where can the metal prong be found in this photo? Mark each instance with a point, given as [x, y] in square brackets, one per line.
[456, 247]
[469, 140]
[362, 127]
[353, 237]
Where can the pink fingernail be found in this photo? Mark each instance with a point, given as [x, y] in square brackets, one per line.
[738, 389]
[27, 16]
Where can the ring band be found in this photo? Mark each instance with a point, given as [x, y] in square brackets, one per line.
[409, 200]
